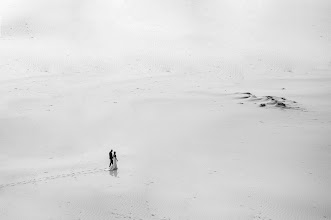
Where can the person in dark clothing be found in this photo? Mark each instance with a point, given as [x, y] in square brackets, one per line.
[111, 157]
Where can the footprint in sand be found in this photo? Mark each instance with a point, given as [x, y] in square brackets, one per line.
[49, 178]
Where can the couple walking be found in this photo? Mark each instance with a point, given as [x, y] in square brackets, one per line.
[113, 160]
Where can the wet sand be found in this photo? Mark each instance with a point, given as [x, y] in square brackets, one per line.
[206, 124]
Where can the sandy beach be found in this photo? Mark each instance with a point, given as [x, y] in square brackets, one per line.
[216, 109]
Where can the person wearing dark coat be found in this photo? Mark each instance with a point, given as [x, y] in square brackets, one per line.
[111, 157]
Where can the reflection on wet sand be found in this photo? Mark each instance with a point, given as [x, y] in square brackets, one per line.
[113, 173]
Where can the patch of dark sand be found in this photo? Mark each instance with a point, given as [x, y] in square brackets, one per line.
[268, 101]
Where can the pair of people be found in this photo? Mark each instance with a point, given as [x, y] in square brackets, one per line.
[113, 160]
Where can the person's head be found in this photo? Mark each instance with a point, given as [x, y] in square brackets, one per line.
[114, 152]
[111, 150]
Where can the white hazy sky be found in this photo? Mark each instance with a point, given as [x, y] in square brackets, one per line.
[295, 28]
